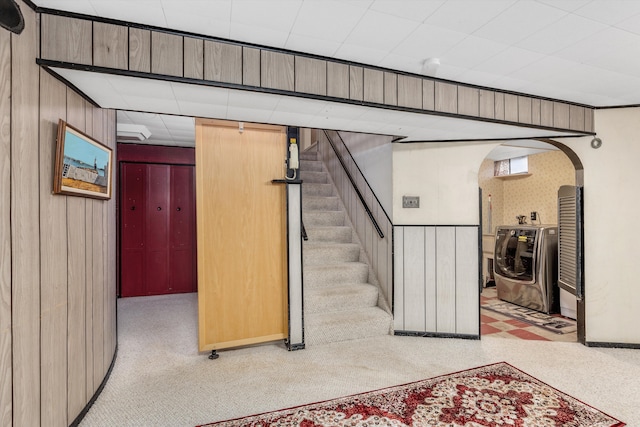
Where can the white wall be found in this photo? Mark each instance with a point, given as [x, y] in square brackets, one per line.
[612, 207]
[436, 283]
[373, 154]
[444, 176]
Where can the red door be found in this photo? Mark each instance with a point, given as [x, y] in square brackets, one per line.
[158, 229]
[182, 240]
[132, 232]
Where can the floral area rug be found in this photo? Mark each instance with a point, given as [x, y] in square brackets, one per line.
[489, 396]
[559, 325]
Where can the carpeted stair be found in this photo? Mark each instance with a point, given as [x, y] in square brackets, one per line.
[340, 303]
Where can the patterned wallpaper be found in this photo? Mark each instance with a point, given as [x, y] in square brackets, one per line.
[520, 196]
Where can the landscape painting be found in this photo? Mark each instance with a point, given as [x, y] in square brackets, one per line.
[83, 165]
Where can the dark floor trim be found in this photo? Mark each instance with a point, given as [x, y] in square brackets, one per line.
[435, 335]
[82, 414]
[612, 345]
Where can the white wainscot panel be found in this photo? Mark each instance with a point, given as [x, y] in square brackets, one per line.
[446, 279]
[467, 281]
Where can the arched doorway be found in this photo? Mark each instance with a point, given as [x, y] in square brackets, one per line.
[522, 206]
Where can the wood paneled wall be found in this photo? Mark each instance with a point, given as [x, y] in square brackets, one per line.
[57, 253]
[378, 250]
[25, 259]
[6, 373]
[121, 47]
[436, 280]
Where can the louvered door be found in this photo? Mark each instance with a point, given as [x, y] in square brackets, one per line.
[570, 245]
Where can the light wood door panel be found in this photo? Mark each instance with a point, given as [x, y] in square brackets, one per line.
[241, 235]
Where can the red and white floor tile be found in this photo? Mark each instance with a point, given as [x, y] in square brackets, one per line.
[498, 325]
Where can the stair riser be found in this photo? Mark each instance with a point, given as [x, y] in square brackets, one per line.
[323, 219]
[331, 254]
[319, 203]
[318, 276]
[330, 234]
[313, 177]
[322, 328]
[315, 189]
[309, 155]
[311, 165]
[351, 297]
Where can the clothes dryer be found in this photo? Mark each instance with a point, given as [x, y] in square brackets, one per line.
[526, 266]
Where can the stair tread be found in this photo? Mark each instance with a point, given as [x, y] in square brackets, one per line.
[326, 227]
[321, 198]
[319, 253]
[347, 325]
[327, 244]
[360, 314]
[341, 289]
[339, 294]
[348, 264]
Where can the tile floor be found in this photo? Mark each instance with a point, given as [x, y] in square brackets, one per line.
[498, 325]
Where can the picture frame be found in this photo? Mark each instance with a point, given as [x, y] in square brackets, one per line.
[83, 165]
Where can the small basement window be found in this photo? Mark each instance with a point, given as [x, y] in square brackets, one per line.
[514, 166]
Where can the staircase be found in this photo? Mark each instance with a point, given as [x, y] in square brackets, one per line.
[340, 301]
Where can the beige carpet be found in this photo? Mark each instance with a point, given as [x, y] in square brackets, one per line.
[160, 380]
[341, 295]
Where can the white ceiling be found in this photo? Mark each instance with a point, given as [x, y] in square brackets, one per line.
[182, 99]
[180, 131]
[585, 51]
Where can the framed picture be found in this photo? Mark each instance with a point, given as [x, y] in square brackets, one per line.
[83, 165]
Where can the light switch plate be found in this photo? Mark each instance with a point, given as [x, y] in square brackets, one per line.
[410, 201]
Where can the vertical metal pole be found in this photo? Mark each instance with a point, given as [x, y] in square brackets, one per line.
[294, 248]
[296, 314]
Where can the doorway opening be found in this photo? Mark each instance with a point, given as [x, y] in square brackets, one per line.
[156, 221]
[520, 297]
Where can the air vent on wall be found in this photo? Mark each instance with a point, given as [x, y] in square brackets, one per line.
[128, 132]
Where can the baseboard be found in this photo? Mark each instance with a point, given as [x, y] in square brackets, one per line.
[611, 345]
[435, 335]
[89, 404]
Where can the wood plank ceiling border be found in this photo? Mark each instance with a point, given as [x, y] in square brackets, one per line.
[116, 47]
